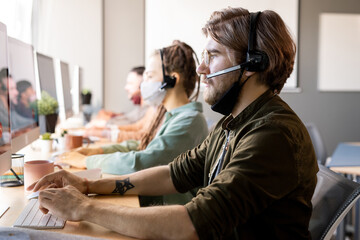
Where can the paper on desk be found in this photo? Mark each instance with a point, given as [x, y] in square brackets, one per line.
[91, 174]
[3, 210]
[74, 159]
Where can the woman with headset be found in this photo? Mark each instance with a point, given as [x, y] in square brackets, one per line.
[169, 81]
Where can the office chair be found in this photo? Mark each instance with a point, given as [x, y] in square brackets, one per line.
[333, 198]
[318, 143]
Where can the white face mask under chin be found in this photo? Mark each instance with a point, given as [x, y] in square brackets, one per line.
[151, 93]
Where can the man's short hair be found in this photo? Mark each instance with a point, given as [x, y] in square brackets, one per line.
[138, 70]
[230, 27]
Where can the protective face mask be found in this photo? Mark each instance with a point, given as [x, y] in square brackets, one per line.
[227, 101]
[136, 99]
[151, 93]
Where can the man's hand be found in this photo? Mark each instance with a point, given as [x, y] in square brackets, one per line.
[89, 151]
[67, 203]
[60, 179]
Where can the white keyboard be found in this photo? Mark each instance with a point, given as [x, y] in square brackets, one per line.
[32, 217]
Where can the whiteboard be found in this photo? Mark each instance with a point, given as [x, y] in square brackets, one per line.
[339, 51]
[167, 20]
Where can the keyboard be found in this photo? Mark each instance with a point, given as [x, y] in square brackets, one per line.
[32, 217]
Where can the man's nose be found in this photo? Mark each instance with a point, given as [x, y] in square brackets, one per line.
[202, 69]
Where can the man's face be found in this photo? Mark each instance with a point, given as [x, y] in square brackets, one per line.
[220, 58]
[132, 86]
[29, 94]
[13, 92]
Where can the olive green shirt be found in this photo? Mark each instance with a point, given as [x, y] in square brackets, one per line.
[267, 178]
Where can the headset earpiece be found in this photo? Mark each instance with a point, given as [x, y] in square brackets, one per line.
[169, 81]
[256, 61]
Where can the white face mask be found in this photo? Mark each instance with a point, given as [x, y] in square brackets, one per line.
[151, 93]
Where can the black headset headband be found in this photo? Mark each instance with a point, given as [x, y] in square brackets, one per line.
[168, 81]
[257, 60]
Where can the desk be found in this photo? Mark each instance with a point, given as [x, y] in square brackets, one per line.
[348, 155]
[346, 160]
[16, 199]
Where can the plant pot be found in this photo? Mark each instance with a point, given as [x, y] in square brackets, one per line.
[46, 145]
[48, 123]
[86, 98]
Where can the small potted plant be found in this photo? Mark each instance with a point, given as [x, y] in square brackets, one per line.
[46, 142]
[86, 96]
[48, 112]
[61, 140]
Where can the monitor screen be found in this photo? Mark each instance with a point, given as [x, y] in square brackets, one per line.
[46, 71]
[22, 88]
[76, 88]
[66, 87]
[5, 136]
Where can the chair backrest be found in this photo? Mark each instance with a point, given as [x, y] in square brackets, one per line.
[333, 198]
[318, 142]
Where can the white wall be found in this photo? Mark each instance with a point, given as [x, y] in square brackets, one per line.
[72, 31]
[183, 20]
[123, 48]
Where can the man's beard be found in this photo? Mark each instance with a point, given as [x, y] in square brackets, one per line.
[213, 93]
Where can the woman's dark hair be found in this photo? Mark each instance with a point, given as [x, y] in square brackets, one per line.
[179, 58]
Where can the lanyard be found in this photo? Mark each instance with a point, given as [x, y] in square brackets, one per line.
[218, 165]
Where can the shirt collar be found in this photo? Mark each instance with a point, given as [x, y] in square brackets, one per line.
[191, 106]
[231, 123]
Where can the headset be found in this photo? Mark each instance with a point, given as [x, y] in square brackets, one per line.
[169, 81]
[256, 60]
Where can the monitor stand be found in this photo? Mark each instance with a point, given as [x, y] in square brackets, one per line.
[14, 183]
[3, 210]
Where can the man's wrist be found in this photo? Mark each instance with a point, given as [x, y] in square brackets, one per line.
[86, 209]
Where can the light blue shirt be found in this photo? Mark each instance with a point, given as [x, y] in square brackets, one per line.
[184, 128]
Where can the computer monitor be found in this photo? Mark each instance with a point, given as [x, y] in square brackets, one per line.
[22, 88]
[46, 72]
[5, 134]
[75, 89]
[64, 83]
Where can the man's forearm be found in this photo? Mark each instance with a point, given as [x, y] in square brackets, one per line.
[152, 181]
[163, 222]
